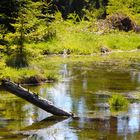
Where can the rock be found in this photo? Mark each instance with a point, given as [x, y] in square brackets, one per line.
[102, 105]
[105, 50]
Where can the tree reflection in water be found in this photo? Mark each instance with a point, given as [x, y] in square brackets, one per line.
[79, 91]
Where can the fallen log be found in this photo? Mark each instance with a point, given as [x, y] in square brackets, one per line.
[34, 98]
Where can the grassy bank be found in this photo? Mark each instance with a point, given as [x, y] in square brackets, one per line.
[85, 38]
[48, 68]
[82, 41]
[39, 70]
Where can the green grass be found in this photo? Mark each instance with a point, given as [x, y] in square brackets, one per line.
[47, 67]
[37, 68]
[122, 41]
[118, 102]
[82, 38]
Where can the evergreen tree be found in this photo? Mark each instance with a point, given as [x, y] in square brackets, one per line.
[123, 6]
[29, 19]
[8, 11]
[32, 21]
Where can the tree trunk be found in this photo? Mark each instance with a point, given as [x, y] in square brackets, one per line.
[33, 98]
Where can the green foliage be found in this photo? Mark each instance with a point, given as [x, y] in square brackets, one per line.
[123, 6]
[2, 68]
[73, 17]
[79, 39]
[118, 102]
[3, 31]
[35, 29]
[95, 9]
[27, 22]
[39, 70]
[34, 21]
[8, 11]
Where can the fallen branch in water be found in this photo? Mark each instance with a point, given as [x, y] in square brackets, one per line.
[34, 98]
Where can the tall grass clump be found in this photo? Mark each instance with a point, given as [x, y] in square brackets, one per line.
[118, 102]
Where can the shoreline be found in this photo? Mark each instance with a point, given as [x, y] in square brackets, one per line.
[113, 61]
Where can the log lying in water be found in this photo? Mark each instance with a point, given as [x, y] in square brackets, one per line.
[34, 98]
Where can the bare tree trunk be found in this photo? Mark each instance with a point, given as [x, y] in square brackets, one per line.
[34, 98]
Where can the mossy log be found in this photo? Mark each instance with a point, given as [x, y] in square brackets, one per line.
[34, 98]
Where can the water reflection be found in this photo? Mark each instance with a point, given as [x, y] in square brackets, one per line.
[60, 96]
[80, 91]
[130, 123]
[59, 131]
[135, 76]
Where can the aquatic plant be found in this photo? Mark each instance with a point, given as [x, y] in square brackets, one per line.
[118, 102]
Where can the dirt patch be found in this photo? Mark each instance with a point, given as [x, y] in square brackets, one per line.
[36, 80]
[32, 80]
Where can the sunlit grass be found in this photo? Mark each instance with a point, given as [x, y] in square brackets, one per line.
[87, 42]
[39, 69]
[47, 67]
[118, 102]
[83, 41]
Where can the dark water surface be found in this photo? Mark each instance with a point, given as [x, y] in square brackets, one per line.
[81, 90]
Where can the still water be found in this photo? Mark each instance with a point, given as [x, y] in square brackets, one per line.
[82, 90]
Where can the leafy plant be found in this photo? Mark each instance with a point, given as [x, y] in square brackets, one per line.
[130, 7]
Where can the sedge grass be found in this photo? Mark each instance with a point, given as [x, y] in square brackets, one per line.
[118, 102]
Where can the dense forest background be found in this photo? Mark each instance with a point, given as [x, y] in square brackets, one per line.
[28, 16]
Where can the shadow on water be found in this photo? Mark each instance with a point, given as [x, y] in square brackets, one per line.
[31, 130]
[50, 128]
[44, 123]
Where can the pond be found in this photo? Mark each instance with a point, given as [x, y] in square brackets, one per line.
[81, 90]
